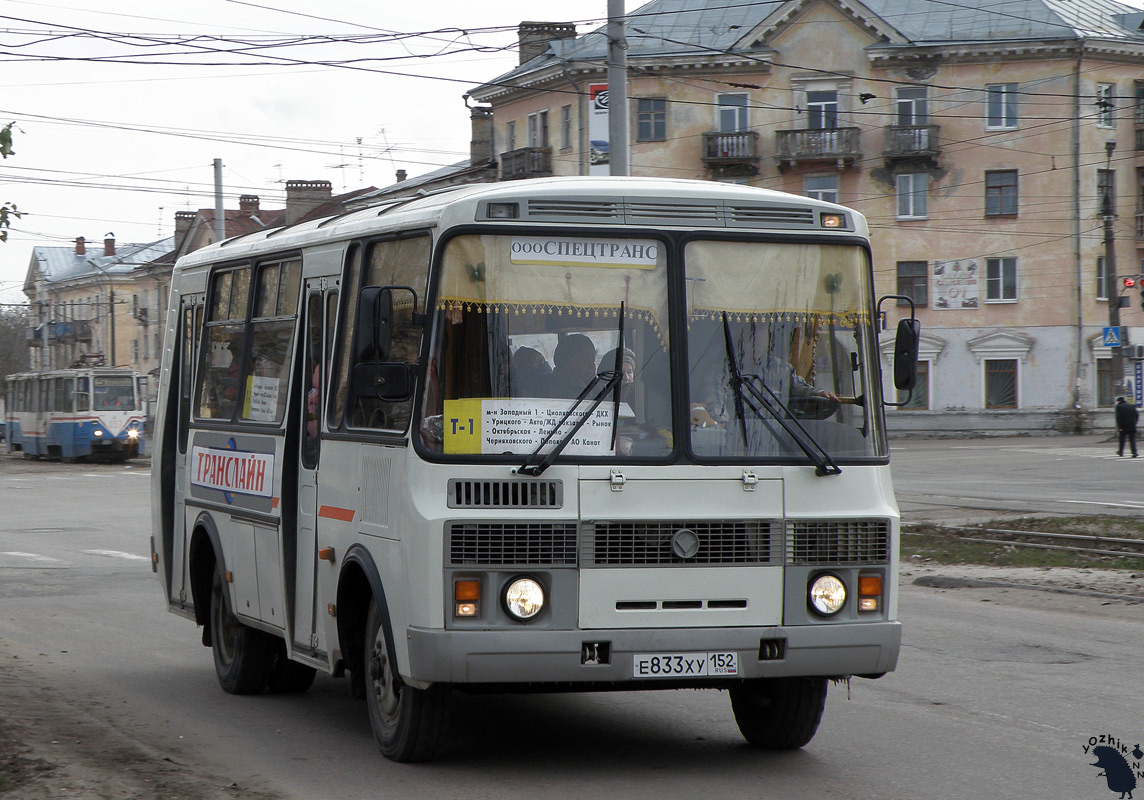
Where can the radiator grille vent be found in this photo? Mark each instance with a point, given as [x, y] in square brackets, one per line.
[859, 541]
[650, 543]
[512, 544]
[597, 210]
[769, 216]
[505, 494]
[678, 213]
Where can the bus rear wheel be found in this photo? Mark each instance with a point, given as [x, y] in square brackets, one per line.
[779, 713]
[406, 722]
[242, 655]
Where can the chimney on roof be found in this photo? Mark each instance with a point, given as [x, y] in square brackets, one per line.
[481, 145]
[302, 197]
[248, 205]
[533, 37]
[183, 222]
[401, 175]
[109, 244]
[80, 246]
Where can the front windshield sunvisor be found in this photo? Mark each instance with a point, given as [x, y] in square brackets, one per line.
[793, 320]
[525, 323]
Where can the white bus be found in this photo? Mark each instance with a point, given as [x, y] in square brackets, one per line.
[563, 434]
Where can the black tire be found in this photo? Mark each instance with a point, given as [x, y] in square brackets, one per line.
[779, 713]
[286, 676]
[407, 723]
[242, 654]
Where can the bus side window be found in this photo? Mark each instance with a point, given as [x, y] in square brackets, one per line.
[221, 374]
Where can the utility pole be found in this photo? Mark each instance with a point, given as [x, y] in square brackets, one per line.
[219, 211]
[619, 138]
[1109, 214]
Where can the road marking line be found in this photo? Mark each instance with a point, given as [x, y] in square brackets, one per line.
[1098, 503]
[116, 554]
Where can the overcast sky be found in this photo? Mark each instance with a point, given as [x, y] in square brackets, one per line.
[122, 105]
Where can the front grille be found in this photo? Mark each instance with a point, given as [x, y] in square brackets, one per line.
[505, 494]
[542, 544]
[847, 541]
[640, 543]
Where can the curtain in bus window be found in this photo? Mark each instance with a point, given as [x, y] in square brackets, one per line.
[264, 386]
[525, 323]
[401, 262]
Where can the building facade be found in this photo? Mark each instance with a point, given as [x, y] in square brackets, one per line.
[979, 141]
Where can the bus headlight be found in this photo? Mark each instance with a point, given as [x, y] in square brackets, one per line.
[827, 594]
[524, 598]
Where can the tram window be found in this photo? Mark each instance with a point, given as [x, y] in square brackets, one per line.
[82, 394]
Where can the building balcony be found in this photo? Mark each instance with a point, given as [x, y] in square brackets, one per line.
[731, 152]
[911, 142]
[34, 337]
[526, 162]
[839, 145]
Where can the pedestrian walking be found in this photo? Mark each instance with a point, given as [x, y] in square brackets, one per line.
[1126, 416]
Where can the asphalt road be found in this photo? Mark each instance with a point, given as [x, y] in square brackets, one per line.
[995, 696]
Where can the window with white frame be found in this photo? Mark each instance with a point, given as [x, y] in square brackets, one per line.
[565, 127]
[911, 105]
[912, 195]
[1106, 105]
[538, 129]
[732, 112]
[822, 109]
[1101, 280]
[822, 187]
[1001, 105]
[1001, 280]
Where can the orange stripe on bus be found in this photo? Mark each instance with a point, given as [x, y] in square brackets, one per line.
[274, 502]
[333, 512]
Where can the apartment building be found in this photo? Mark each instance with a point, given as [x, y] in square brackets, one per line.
[980, 141]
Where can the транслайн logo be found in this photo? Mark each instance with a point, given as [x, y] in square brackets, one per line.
[1119, 766]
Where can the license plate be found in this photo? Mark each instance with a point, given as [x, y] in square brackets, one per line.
[685, 665]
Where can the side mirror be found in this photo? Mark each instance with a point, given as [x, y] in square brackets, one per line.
[906, 354]
[374, 324]
[392, 382]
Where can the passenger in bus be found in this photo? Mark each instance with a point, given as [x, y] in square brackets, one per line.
[713, 401]
[575, 359]
[628, 372]
[529, 373]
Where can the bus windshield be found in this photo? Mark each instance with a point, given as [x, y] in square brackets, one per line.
[524, 326]
[780, 349]
[110, 393]
[527, 325]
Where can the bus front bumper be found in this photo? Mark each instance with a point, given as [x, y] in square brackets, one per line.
[561, 657]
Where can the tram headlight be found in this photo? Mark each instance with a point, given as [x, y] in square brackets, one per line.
[132, 434]
[524, 598]
[97, 433]
[827, 594]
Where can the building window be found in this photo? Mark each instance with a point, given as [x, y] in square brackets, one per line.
[1001, 383]
[919, 400]
[912, 195]
[1001, 280]
[732, 111]
[822, 109]
[822, 187]
[538, 129]
[1106, 105]
[911, 106]
[1105, 184]
[1101, 280]
[913, 282]
[651, 119]
[510, 135]
[566, 127]
[1001, 193]
[1104, 383]
[1001, 102]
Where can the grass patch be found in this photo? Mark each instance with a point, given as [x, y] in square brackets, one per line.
[948, 545]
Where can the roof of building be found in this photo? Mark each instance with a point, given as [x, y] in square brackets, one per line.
[61, 264]
[709, 28]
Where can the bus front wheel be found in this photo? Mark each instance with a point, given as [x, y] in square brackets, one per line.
[779, 713]
[242, 655]
[406, 722]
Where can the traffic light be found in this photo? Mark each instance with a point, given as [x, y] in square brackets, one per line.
[1130, 283]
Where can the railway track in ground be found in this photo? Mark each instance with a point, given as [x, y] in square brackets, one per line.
[1114, 546]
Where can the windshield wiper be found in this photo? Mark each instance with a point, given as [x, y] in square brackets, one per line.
[748, 395]
[612, 381]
